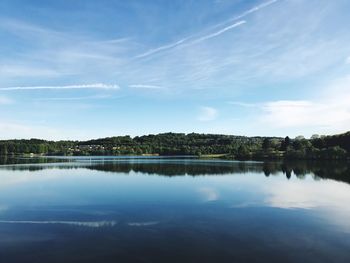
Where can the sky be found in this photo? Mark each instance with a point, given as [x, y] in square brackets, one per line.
[89, 69]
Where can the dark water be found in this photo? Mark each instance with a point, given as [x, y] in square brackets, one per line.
[104, 209]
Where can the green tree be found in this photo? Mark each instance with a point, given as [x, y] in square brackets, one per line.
[3, 149]
[243, 152]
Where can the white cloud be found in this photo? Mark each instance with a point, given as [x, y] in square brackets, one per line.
[207, 114]
[243, 104]
[142, 86]
[14, 71]
[347, 61]
[14, 130]
[5, 100]
[326, 112]
[287, 113]
[80, 86]
[265, 53]
[330, 111]
[324, 115]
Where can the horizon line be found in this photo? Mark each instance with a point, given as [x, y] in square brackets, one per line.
[162, 133]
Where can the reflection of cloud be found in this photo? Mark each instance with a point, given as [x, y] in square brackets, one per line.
[11, 179]
[209, 194]
[150, 223]
[245, 204]
[73, 223]
[3, 208]
[329, 197]
[307, 194]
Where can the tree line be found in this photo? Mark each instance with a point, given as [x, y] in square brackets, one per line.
[205, 145]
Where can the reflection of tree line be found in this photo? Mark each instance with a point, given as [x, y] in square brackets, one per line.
[9, 160]
[333, 170]
[339, 171]
[179, 169]
[156, 168]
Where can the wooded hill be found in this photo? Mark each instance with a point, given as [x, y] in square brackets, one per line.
[205, 145]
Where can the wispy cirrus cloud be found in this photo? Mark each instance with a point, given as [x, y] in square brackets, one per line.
[11, 70]
[264, 51]
[59, 54]
[218, 33]
[80, 86]
[143, 86]
[161, 48]
[250, 11]
[96, 97]
[236, 51]
[191, 40]
[243, 104]
[194, 39]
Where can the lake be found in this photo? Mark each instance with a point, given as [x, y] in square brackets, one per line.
[125, 209]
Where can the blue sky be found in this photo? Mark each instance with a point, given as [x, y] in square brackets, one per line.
[87, 69]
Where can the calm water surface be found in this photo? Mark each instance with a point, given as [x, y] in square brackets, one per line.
[106, 209]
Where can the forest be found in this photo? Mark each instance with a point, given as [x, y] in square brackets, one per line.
[202, 145]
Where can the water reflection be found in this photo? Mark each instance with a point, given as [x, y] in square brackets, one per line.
[70, 223]
[339, 171]
[118, 209]
[12, 160]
